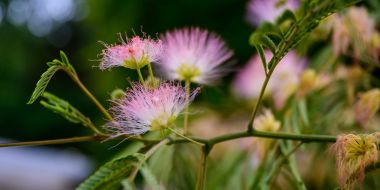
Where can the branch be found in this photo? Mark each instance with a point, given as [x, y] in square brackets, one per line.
[208, 142]
[55, 141]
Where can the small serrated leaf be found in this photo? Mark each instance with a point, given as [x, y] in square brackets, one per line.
[110, 175]
[268, 43]
[64, 58]
[258, 38]
[270, 29]
[43, 82]
[286, 15]
[260, 50]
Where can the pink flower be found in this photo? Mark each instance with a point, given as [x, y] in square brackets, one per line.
[268, 10]
[284, 80]
[355, 30]
[195, 55]
[353, 154]
[145, 109]
[134, 53]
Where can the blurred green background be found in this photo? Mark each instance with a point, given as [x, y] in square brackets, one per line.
[33, 31]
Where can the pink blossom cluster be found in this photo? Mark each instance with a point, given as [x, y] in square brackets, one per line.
[135, 53]
[145, 109]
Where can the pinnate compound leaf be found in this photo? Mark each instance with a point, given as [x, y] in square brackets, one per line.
[44, 81]
[110, 175]
[54, 66]
[65, 109]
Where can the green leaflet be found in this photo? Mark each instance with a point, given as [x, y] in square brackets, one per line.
[286, 15]
[43, 82]
[65, 109]
[110, 175]
[54, 66]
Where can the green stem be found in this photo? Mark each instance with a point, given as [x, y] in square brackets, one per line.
[150, 71]
[140, 75]
[284, 44]
[187, 138]
[202, 170]
[149, 153]
[92, 97]
[55, 141]
[274, 135]
[210, 142]
[186, 112]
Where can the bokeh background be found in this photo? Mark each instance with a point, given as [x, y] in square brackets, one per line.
[32, 32]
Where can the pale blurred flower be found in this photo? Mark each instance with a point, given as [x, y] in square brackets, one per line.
[145, 109]
[353, 154]
[356, 30]
[195, 55]
[284, 80]
[367, 106]
[134, 53]
[268, 10]
[268, 123]
[311, 80]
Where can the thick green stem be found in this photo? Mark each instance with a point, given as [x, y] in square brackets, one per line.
[186, 113]
[92, 97]
[202, 169]
[140, 75]
[274, 135]
[210, 142]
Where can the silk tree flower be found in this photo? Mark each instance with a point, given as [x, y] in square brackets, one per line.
[134, 53]
[148, 109]
[367, 106]
[356, 30]
[284, 80]
[268, 10]
[353, 154]
[195, 55]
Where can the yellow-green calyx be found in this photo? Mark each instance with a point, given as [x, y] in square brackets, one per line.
[136, 64]
[188, 72]
[162, 122]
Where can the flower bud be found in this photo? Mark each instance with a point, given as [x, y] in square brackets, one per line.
[117, 94]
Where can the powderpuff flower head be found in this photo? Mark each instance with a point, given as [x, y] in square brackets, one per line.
[353, 154]
[195, 55]
[268, 10]
[148, 109]
[133, 53]
[367, 106]
[284, 80]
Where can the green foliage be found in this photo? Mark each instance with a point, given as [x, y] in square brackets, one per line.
[65, 109]
[110, 175]
[54, 66]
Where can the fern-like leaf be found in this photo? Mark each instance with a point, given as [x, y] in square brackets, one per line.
[65, 109]
[110, 175]
[44, 81]
[54, 66]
